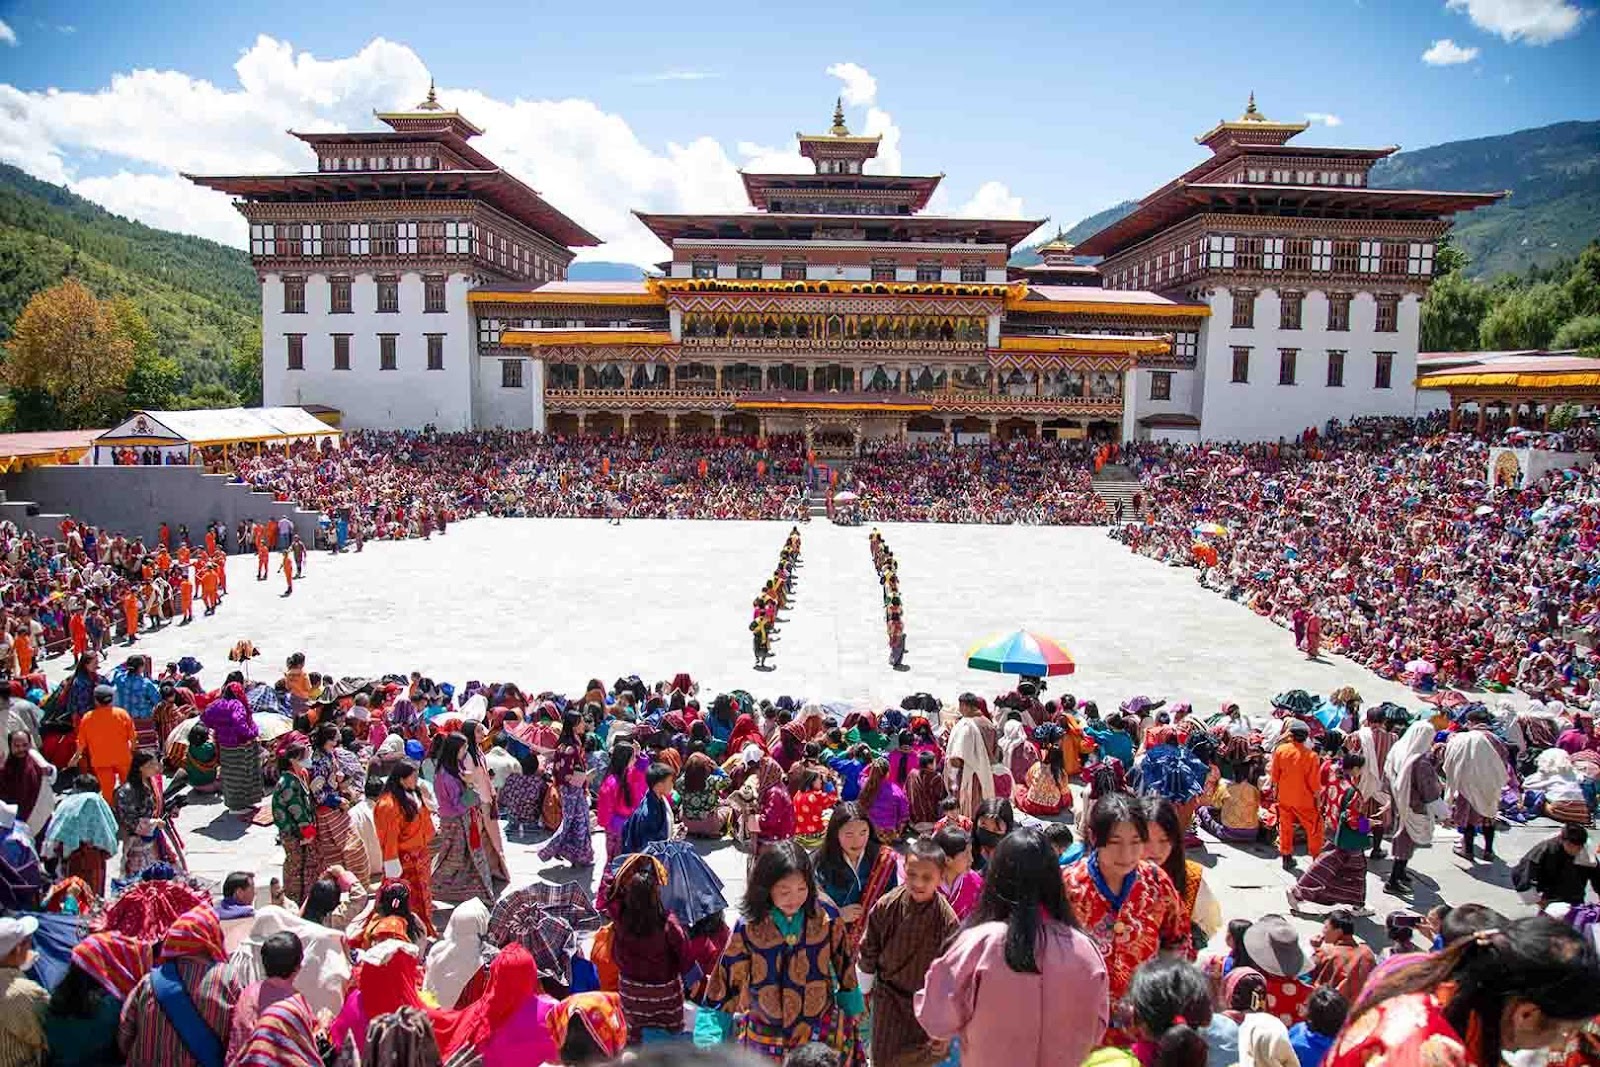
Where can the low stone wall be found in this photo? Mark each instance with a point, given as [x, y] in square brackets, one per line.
[137, 500]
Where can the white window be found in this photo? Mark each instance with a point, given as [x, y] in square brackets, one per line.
[263, 239]
[1220, 251]
[360, 239]
[1321, 254]
[1420, 260]
[314, 239]
[1186, 346]
[488, 331]
[1186, 251]
[1272, 253]
[406, 233]
[1371, 257]
[457, 238]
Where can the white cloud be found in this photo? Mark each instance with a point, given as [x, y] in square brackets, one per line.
[1529, 21]
[860, 87]
[993, 200]
[1446, 53]
[586, 161]
[7, 34]
[678, 76]
[1323, 118]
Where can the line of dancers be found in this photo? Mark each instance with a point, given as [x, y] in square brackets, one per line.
[773, 597]
[889, 578]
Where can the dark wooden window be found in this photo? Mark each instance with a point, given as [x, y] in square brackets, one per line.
[1290, 306]
[1339, 312]
[294, 296]
[386, 351]
[794, 270]
[704, 268]
[338, 296]
[296, 345]
[511, 374]
[1388, 314]
[973, 274]
[1286, 361]
[433, 294]
[1160, 385]
[750, 271]
[883, 272]
[1335, 368]
[1383, 371]
[1241, 364]
[1244, 309]
[436, 351]
[341, 351]
[927, 272]
[389, 295]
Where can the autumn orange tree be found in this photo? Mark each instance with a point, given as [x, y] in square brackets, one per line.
[68, 359]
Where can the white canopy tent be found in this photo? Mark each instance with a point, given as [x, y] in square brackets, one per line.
[174, 435]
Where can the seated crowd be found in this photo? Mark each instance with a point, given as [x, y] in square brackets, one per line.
[1412, 564]
[1041, 483]
[993, 882]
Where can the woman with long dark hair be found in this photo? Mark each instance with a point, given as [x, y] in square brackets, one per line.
[700, 792]
[1164, 847]
[1127, 904]
[461, 868]
[238, 745]
[786, 972]
[294, 817]
[1526, 987]
[883, 801]
[1044, 791]
[405, 832]
[333, 794]
[648, 947]
[147, 835]
[1021, 984]
[854, 868]
[570, 775]
[620, 792]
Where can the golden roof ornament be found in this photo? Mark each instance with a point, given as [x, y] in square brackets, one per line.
[839, 128]
[1250, 112]
[431, 103]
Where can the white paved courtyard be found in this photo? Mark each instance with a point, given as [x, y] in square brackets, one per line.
[552, 603]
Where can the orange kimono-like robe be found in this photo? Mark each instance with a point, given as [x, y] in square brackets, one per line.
[406, 842]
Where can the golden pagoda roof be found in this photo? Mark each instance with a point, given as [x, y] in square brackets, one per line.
[430, 111]
[1255, 125]
[839, 133]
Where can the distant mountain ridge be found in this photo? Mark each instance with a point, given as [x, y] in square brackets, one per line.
[1553, 173]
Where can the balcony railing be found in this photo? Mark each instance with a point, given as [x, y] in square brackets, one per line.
[829, 344]
[947, 401]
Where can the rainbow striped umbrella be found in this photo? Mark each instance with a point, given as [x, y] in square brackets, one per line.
[1020, 652]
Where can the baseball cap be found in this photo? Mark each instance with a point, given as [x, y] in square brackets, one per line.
[14, 930]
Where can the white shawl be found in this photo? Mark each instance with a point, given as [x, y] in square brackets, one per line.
[966, 744]
[324, 971]
[456, 957]
[1474, 770]
[1413, 746]
[1372, 782]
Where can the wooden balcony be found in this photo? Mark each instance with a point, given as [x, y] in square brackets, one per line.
[806, 346]
[947, 402]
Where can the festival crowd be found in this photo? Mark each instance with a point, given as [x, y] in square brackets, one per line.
[1392, 549]
[991, 883]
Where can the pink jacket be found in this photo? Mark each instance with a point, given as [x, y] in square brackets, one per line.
[1009, 1019]
[610, 808]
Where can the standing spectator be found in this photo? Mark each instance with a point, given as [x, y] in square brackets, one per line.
[1296, 774]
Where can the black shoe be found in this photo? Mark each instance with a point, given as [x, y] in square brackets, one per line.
[1288, 863]
[1376, 853]
[1396, 889]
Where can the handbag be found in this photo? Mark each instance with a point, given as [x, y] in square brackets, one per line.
[552, 808]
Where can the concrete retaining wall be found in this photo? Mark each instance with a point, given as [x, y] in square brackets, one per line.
[136, 500]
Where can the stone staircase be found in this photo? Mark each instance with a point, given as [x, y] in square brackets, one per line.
[29, 517]
[1116, 483]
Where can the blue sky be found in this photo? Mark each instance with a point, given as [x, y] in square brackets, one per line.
[1046, 110]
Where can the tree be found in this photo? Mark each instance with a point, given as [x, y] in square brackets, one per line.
[1580, 332]
[153, 381]
[72, 348]
[210, 395]
[1452, 313]
[1583, 284]
[244, 366]
[1526, 318]
[1448, 260]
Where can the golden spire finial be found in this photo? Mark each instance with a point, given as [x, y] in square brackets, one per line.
[839, 128]
[432, 101]
[1250, 112]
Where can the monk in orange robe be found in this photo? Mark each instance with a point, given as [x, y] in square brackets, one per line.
[22, 645]
[261, 557]
[211, 541]
[186, 597]
[183, 555]
[130, 614]
[79, 632]
[286, 565]
[106, 740]
[219, 559]
[208, 589]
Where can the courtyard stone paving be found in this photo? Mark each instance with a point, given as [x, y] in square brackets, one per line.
[552, 603]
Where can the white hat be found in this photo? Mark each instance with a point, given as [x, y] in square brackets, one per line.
[751, 754]
[14, 930]
[8, 815]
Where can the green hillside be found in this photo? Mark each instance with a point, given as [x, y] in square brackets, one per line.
[201, 298]
[1553, 173]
